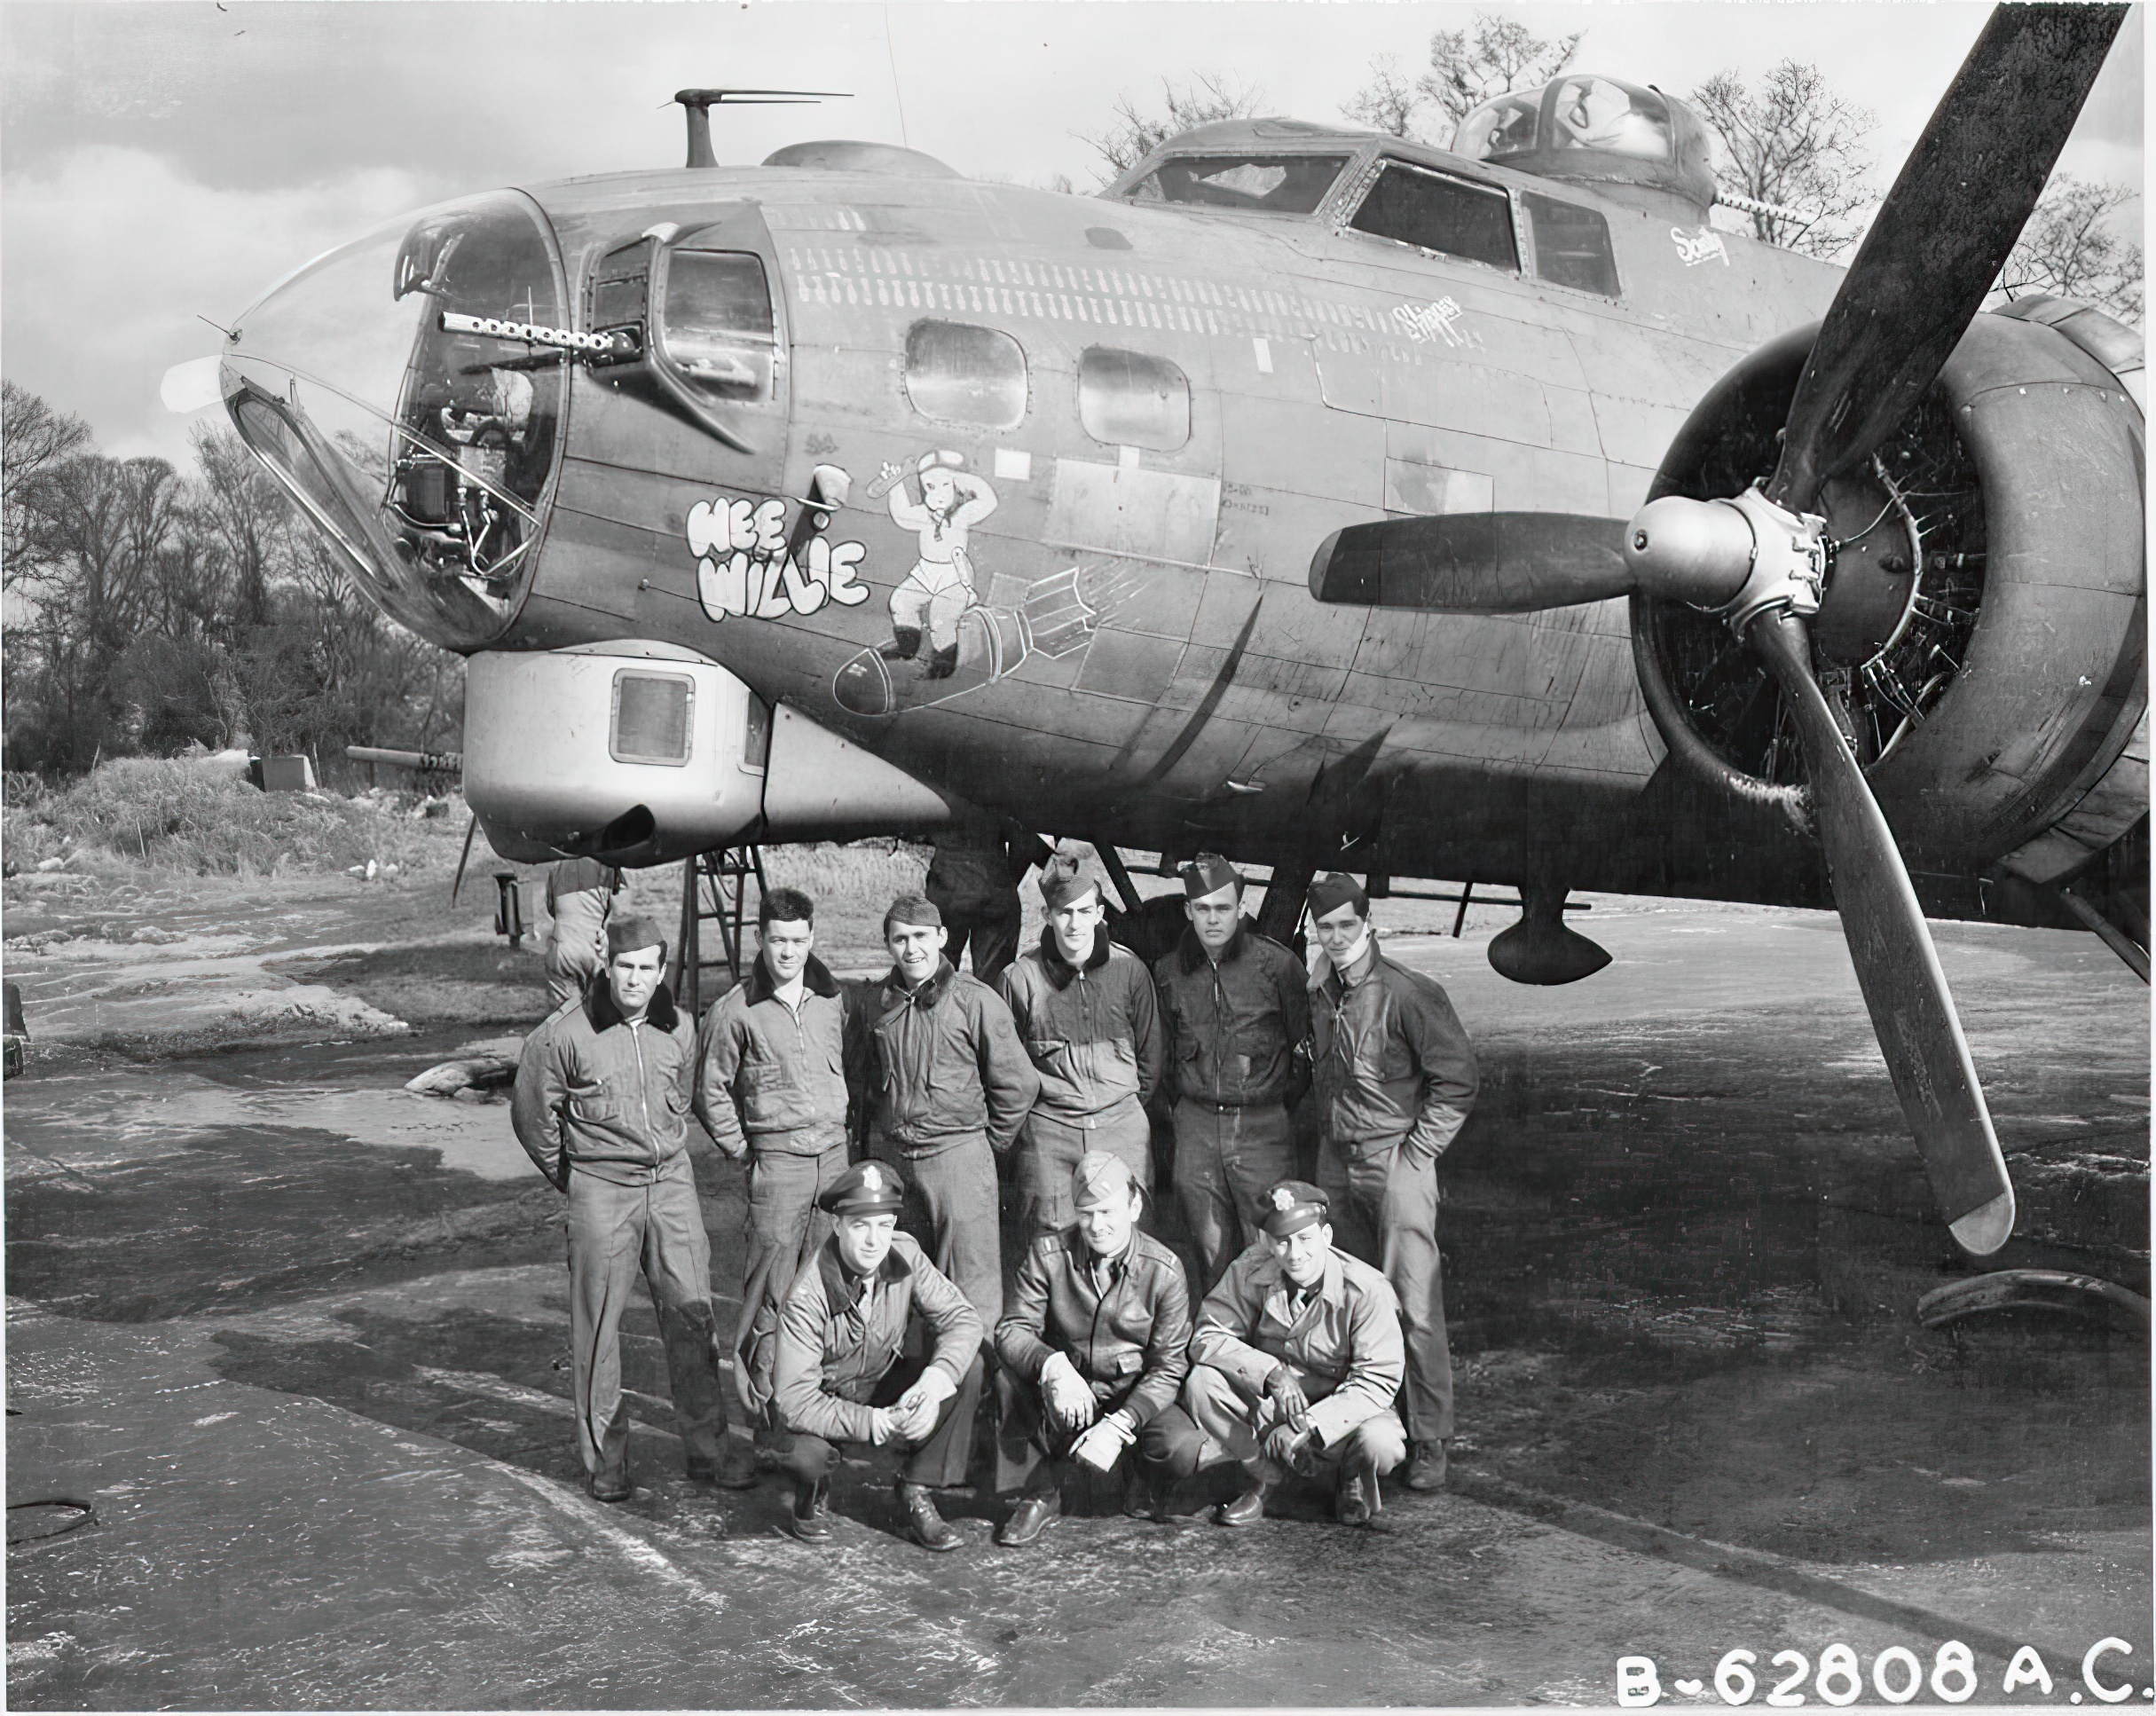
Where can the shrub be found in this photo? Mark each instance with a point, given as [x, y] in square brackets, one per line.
[206, 819]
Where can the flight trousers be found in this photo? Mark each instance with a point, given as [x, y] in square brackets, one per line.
[951, 1208]
[1385, 1211]
[1226, 1159]
[1219, 1420]
[938, 1462]
[785, 1227]
[616, 1233]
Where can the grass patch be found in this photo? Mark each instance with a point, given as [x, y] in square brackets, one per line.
[206, 820]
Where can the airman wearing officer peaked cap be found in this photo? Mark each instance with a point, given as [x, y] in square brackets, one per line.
[1292, 1206]
[1294, 1364]
[868, 1188]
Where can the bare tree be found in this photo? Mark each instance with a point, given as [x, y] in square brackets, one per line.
[240, 506]
[1137, 132]
[1492, 57]
[1792, 142]
[2071, 248]
[34, 439]
[1388, 102]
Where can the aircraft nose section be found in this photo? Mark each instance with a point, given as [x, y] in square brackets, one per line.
[407, 389]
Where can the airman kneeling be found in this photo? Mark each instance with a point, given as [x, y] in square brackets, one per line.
[838, 1375]
[1093, 1351]
[1295, 1364]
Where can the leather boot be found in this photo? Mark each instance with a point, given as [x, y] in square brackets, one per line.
[610, 1485]
[1249, 1507]
[1142, 1493]
[923, 1524]
[811, 1519]
[905, 644]
[1027, 1521]
[1356, 1498]
[736, 1469]
[942, 665]
[1426, 1464]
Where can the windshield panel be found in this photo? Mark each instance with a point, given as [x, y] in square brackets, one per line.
[391, 385]
[1432, 211]
[1268, 183]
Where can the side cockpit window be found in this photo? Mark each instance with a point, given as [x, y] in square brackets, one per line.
[1433, 211]
[1133, 399]
[1572, 245]
[957, 373]
[1264, 183]
[715, 326]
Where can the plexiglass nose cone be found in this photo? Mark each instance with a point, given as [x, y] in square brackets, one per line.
[1696, 551]
[424, 451]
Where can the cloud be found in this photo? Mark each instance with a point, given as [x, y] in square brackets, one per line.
[112, 254]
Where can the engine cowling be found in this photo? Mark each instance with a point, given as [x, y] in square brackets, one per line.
[1982, 626]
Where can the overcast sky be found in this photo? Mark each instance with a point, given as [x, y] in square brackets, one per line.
[167, 160]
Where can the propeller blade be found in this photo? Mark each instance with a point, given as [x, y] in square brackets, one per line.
[1473, 563]
[1897, 966]
[1941, 236]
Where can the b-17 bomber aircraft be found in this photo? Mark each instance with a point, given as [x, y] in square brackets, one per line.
[1309, 495]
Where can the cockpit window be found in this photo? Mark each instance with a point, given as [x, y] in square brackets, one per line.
[1571, 245]
[1599, 112]
[407, 389]
[716, 328]
[1273, 184]
[957, 373]
[1433, 211]
[1503, 127]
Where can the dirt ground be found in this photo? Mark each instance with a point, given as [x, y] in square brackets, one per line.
[299, 1338]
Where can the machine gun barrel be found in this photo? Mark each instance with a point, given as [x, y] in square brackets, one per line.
[428, 762]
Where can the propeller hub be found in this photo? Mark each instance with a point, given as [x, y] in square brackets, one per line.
[1694, 551]
[1736, 558]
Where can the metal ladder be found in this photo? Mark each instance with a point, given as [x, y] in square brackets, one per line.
[715, 889]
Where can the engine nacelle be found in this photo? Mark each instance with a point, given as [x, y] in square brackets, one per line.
[641, 753]
[1983, 625]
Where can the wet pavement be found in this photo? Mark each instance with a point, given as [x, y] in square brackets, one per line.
[300, 1338]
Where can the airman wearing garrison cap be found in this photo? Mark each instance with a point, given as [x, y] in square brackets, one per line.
[1234, 1013]
[1086, 1012]
[1294, 1367]
[951, 1085]
[601, 1106]
[1395, 1078]
[1093, 1351]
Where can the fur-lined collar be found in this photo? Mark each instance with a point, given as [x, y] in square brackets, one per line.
[600, 1008]
[815, 978]
[1059, 970]
[897, 995]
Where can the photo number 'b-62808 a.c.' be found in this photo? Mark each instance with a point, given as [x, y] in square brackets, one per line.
[1309, 495]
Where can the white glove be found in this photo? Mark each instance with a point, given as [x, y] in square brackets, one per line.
[1102, 1446]
[1070, 1402]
